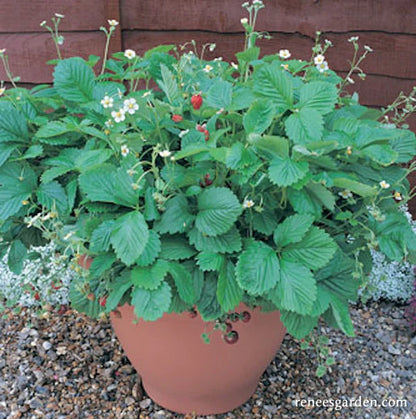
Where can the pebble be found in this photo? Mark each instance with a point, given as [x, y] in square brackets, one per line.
[394, 351]
[145, 403]
[46, 345]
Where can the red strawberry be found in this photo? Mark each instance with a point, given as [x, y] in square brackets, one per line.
[196, 101]
[208, 180]
[203, 129]
[177, 118]
[231, 337]
[245, 316]
[192, 313]
[103, 301]
[37, 296]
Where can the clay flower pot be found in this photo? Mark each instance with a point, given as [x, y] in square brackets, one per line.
[183, 374]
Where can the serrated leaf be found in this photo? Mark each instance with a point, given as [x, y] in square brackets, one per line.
[219, 95]
[169, 85]
[74, 80]
[257, 268]
[100, 239]
[208, 306]
[264, 222]
[5, 151]
[296, 288]
[381, 153]
[342, 317]
[272, 82]
[225, 243]
[285, 171]
[117, 290]
[53, 197]
[183, 281]
[304, 126]
[210, 261]
[100, 264]
[229, 293]
[273, 145]
[259, 117]
[322, 194]
[176, 218]
[292, 229]
[151, 251]
[218, 209]
[318, 95]
[303, 202]
[151, 304]
[315, 250]
[298, 325]
[17, 256]
[129, 237]
[52, 129]
[354, 186]
[13, 124]
[176, 247]
[150, 277]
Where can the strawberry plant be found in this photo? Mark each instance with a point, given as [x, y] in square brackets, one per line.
[194, 185]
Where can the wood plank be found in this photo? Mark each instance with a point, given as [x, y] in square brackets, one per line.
[28, 53]
[301, 16]
[394, 55]
[25, 16]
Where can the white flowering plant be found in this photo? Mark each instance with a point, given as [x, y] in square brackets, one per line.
[187, 184]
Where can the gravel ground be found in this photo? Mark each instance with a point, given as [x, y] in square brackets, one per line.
[68, 366]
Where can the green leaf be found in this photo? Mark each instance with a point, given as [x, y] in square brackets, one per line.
[106, 183]
[264, 222]
[129, 237]
[314, 251]
[318, 95]
[292, 229]
[117, 290]
[259, 117]
[169, 85]
[150, 277]
[13, 124]
[183, 281]
[52, 129]
[257, 268]
[150, 210]
[100, 264]
[17, 256]
[32, 152]
[304, 202]
[322, 194]
[219, 95]
[381, 153]
[208, 306]
[176, 247]
[248, 55]
[354, 186]
[274, 83]
[273, 145]
[228, 242]
[210, 261]
[101, 237]
[16, 185]
[151, 304]
[53, 197]
[285, 171]
[151, 251]
[78, 296]
[229, 293]
[218, 209]
[342, 317]
[298, 325]
[74, 80]
[176, 218]
[5, 151]
[404, 143]
[304, 126]
[296, 288]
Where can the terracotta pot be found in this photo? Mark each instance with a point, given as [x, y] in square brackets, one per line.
[183, 374]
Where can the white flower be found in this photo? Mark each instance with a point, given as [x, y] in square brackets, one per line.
[234, 65]
[124, 150]
[112, 22]
[119, 115]
[397, 196]
[248, 203]
[244, 21]
[218, 59]
[384, 184]
[350, 80]
[322, 67]
[328, 42]
[220, 111]
[109, 123]
[212, 47]
[131, 106]
[285, 66]
[2, 51]
[284, 53]
[208, 68]
[59, 15]
[2, 90]
[319, 59]
[107, 102]
[183, 133]
[130, 54]
[119, 93]
[257, 3]
[345, 194]
[165, 153]
[353, 39]
[43, 23]
[368, 49]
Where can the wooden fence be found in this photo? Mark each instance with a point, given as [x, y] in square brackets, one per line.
[388, 26]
